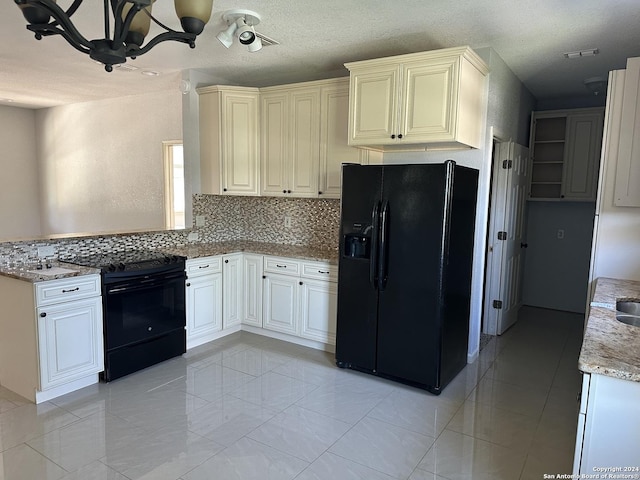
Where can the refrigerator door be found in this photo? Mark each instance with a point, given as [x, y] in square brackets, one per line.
[357, 272]
[409, 325]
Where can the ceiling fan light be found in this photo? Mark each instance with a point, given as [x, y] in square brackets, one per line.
[194, 14]
[140, 24]
[35, 15]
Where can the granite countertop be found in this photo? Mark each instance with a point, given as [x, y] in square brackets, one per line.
[611, 347]
[30, 272]
[259, 248]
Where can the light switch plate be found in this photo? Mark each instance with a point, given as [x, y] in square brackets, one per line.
[46, 251]
[200, 220]
[193, 237]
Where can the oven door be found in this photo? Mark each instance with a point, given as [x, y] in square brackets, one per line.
[143, 307]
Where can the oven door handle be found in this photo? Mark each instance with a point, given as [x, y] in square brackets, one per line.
[142, 283]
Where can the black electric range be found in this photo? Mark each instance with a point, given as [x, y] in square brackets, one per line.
[143, 300]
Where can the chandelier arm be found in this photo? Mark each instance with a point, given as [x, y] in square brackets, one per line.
[183, 37]
[160, 24]
[107, 13]
[51, 29]
[61, 19]
[122, 26]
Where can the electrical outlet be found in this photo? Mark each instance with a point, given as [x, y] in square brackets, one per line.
[560, 234]
[46, 251]
[193, 237]
[201, 220]
[287, 222]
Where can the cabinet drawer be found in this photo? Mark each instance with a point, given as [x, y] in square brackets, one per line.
[67, 289]
[284, 266]
[202, 266]
[320, 271]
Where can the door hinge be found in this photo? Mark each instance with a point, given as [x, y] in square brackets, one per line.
[507, 164]
[497, 304]
[502, 235]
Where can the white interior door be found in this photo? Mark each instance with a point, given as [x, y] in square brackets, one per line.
[504, 280]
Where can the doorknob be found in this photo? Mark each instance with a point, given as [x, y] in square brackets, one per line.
[524, 245]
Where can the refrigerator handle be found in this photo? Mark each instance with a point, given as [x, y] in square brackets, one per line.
[373, 261]
[384, 245]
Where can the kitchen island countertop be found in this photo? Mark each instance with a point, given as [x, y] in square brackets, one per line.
[259, 248]
[611, 347]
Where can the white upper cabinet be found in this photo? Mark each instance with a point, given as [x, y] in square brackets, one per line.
[419, 101]
[290, 141]
[627, 186]
[334, 143]
[229, 140]
[565, 147]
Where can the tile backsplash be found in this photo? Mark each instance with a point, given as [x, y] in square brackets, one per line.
[314, 223]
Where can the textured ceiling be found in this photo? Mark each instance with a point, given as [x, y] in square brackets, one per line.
[317, 38]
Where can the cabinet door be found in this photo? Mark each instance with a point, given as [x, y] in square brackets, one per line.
[274, 141]
[429, 100]
[319, 310]
[627, 186]
[232, 284]
[584, 140]
[373, 106]
[239, 144]
[280, 303]
[304, 154]
[204, 306]
[70, 341]
[334, 144]
[252, 292]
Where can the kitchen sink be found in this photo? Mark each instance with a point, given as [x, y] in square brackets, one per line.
[628, 312]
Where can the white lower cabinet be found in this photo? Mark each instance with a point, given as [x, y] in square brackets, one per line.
[69, 341]
[318, 310]
[203, 300]
[50, 336]
[608, 432]
[252, 290]
[232, 285]
[281, 303]
[286, 298]
[300, 298]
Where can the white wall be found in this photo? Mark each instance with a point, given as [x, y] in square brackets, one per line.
[101, 163]
[19, 193]
[509, 108]
[557, 270]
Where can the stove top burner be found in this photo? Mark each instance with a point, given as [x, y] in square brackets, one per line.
[127, 260]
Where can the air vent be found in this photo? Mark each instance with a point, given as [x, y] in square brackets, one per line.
[266, 41]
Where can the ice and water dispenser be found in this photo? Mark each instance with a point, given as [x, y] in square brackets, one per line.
[357, 241]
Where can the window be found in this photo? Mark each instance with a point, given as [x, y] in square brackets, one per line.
[174, 200]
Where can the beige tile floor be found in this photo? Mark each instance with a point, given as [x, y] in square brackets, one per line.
[248, 407]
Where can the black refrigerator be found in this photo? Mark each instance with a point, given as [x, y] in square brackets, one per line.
[404, 284]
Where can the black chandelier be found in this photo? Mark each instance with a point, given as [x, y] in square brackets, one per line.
[131, 23]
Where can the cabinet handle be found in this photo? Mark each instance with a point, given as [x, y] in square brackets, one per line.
[188, 284]
[43, 314]
[288, 191]
[281, 266]
[400, 136]
[319, 193]
[393, 136]
[301, 283]
[203, 266]
[326, 273]
[264, 276]
[224, 189]
[72, 290]
[284, 191]
[226, 261]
